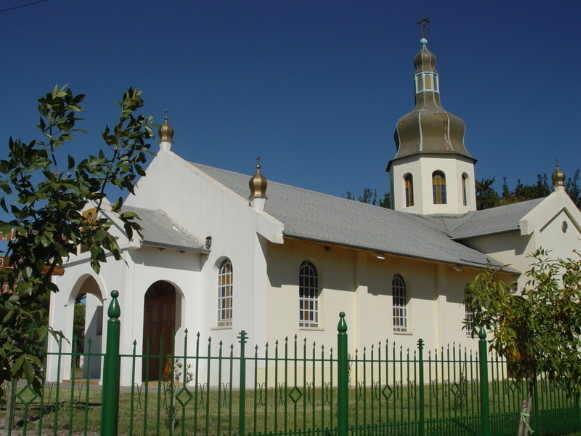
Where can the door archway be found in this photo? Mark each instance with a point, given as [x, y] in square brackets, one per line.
[87, 327]
[159, 325]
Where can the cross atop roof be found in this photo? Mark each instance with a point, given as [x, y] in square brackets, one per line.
[423, 25]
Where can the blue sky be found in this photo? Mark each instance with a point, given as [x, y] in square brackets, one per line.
[313, 87]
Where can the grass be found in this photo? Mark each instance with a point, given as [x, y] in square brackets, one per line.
[450, 409]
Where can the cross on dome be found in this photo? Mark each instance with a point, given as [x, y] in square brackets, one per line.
[423, 25]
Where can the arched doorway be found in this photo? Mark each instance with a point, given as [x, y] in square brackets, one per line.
[87, 334]
[159, 325]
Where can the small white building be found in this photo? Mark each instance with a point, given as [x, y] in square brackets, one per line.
[222, 252]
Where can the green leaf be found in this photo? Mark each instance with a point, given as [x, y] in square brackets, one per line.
[29, 372]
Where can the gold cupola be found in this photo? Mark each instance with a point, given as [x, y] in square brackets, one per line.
[558, 179]
[257, 184]
[428, 128]
[165, 135]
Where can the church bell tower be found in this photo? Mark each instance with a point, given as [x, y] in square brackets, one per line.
[432, 171]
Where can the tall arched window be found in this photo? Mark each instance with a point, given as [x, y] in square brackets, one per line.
[225, 288]
[465, 189]
[400, 302]
[439, 187]
[468, 315]
[409, 190]
[308, 295]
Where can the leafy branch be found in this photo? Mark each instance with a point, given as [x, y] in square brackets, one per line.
[45, 202]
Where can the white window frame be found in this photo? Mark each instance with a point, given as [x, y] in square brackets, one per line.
[308, 295]
[400, 302]
[467, 314]
[225, 293]
[465, 189]
[439, 190]
[420, 82]
[408, 190]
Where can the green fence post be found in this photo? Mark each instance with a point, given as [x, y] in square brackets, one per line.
[484, 399]
[421, 429]
[578, 407]
[10, 408]
[342, 378]
[242, 406]
[536, 411]
[110, 393]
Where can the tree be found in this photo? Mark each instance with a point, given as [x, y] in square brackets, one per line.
[538, 328]
[572, 188]
[45, 190]
[525, 192]
[370, 197]
[486, 196]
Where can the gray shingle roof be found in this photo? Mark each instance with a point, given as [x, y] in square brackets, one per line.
[487, 222]
[158, 230]
[320, 217]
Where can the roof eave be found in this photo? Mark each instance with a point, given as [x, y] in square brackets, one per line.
[161, 245]
[481, 235]
[460, 262]
[431, 153]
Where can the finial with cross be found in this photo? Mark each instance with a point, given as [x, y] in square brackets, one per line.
[258, 161]
[423, 25]
[166, 117]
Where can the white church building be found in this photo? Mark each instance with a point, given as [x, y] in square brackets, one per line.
[222, 252]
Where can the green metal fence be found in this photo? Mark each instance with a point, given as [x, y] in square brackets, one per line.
[286, 388]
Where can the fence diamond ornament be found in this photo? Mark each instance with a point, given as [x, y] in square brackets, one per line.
[24, 392]
[387, 392]
[514, 386]
[185, 394]
[295, 394]
[455, 389]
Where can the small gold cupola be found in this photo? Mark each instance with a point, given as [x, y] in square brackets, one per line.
[558, 179]
[257, 184]
[165, 135]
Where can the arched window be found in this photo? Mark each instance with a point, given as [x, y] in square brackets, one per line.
[225, 288]
[308, 295]
[468, 315]
[400, 302]
[409, 190]
[464, 189]
[439, 187]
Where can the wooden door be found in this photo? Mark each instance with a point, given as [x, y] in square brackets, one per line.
[158, 325]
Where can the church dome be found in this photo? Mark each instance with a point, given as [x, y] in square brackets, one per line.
[558, 178]
[425, 60]
[166, 132]
[429, 128]
[257, 184]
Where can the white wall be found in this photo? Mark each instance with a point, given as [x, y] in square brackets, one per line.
[422, 167]
[552, 225]
[359, 284]
[204, 207]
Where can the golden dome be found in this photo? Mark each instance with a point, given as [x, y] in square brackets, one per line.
[166, 132]
[428, 128]
[425, 60]
[558, 178]
[257, 184]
